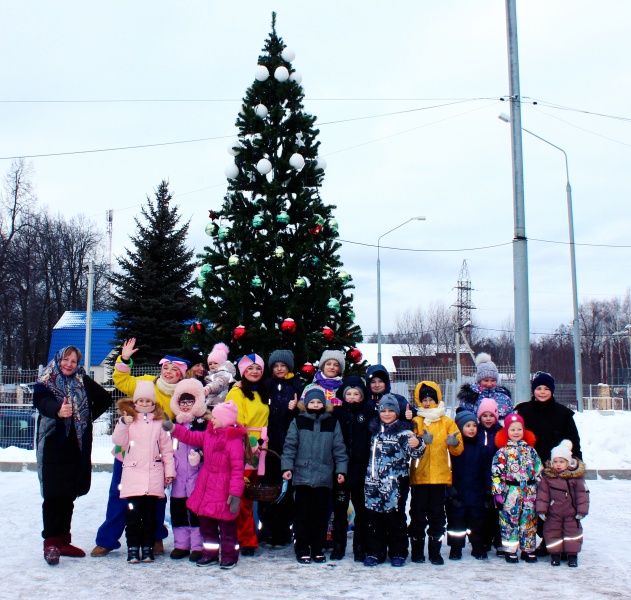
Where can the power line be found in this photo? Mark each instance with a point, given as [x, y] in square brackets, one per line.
[579, 110]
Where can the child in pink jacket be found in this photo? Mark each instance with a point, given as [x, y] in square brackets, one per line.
[148, 467]
[220, 482]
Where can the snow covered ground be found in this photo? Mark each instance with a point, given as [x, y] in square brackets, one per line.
[603, 565]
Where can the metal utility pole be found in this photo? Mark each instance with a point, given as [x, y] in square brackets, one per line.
[520, 242]
[88, 319]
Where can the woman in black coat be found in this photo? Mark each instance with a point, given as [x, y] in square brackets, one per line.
[68, 401]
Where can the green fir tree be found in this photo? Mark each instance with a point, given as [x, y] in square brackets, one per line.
[274, 241]
[153, 294]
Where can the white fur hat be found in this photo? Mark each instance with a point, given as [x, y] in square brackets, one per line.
[563, 450]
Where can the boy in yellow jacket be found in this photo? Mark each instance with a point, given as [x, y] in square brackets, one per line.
[431, 475]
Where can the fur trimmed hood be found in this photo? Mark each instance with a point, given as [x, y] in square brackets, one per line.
[127, 405]
[569, 473]
[328, 408]
[196, 389]
[394, 428]
[501, 438]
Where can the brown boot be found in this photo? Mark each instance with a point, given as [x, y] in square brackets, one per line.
[67, 549]
[51, 550]
[158, 548]
[100, 551]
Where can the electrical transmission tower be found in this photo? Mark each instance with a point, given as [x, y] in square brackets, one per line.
[464, 306]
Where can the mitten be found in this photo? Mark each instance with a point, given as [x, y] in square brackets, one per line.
[428, 438]
[168, 425]
[542, 516]
[194, 458]
[234, 502]
[452, 439]
[499, 500]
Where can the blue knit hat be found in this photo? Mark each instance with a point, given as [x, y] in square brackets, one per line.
[463, 417]
[390, 402]
[542, 378]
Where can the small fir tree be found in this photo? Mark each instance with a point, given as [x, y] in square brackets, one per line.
[153, 290]
[274, 241]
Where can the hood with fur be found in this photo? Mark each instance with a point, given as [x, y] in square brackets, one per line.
[569, 473]
[126, 405]
[196, 389]
[501, 438]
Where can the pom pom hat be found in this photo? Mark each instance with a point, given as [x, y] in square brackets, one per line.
[219, 354]
[489, 405]
[563, 450]
[226, 412]
[485, 368]
[250, 359]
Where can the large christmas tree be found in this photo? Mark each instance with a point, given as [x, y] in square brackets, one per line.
[274, 242]
[153, 289]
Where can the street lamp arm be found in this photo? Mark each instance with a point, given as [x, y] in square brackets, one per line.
[567, 169]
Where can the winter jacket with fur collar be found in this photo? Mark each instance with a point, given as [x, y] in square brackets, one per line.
[148, 452]
[472, 394]
[563, 494]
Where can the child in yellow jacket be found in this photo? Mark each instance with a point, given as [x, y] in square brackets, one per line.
[431, 475]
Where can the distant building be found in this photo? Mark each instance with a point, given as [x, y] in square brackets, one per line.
[70, 331]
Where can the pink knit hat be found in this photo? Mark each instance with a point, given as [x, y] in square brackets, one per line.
[250, 359]
[489, 405]
[219, 354]
[145, 390]
[513, 418]
[226, 412]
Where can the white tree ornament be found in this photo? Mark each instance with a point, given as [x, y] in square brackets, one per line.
[297, 161]
[261, 111]
[264, 166]
[281, 74]
[321, 163]
[288, 54]
[234, 147]
[231, 171]
[297, 77]
[261, 73]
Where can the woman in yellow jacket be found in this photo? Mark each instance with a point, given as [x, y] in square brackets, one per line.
[253, 414]
[430, 475]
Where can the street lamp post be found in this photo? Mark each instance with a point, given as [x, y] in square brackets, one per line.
[575, 323]
[379, 282]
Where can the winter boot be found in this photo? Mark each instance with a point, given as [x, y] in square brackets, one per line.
[338, 552]
[67, 549]
[147, 554]
[51, 550]
[178, 553]
[433, 549]
[99, 551]
[572, 560]
[133, 555]
[359, 553]
[529, 557]
[555, 560]
[418, 550]
[455, 553]
[511, 557]
[542, 549]
[479, 553]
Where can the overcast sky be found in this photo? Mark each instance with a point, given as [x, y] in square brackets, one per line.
[450, 164]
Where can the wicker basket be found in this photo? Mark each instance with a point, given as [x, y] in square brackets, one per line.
[264, 492]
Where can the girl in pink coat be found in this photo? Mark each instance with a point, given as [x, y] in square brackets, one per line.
[148, 467]
[220, 482]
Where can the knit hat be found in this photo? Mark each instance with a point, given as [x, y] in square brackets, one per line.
[352, 382]
[513, 418]
[463, 417]
[219, 354]
[542, 378]
[249, 359]
[485, 367]
[333, 355]
[563, 450]
[283, 356]
[182, 364]
[427, 390]
[489, 405]
[226, 412]
[390, 402]
[315, 392]
[144, 389]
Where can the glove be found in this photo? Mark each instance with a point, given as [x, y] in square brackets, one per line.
[428, 438]
[499, 500]
[488, 500]
[194, 458]
[168, 425]
[579, 517]
[234, 502]
[452, 439]
[543, 516]
[452, 494]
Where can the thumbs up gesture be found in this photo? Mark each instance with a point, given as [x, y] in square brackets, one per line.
[65, 410]
[409, 415]
[293, 403]
[428, 438]
[127, 419]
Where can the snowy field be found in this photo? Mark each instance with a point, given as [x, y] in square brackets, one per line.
[603, 570]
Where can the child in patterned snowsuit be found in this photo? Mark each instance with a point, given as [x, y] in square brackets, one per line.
[392, 447]
[516, 466]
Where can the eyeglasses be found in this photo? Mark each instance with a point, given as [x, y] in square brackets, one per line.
[186, 402]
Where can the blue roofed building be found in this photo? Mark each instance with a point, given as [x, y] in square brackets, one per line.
[70, 331]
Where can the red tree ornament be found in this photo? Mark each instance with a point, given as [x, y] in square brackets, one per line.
[354, 355]
[308, 370]
[197, 327]
[239, 332]
[288, 326]
[315, 230]
[328, 334]
[211, 215]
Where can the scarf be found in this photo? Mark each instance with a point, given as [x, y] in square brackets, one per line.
[72, 388]
[327, 384]
[431, 415]
[166, 388]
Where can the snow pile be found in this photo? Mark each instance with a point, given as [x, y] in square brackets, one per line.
[605, 440]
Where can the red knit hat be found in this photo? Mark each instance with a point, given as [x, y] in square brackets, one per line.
[513, 418]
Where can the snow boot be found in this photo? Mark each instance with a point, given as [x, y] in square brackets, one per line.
[51, 550]
[195, 555]
[338, 552]
[178, 553]
[455, 553]
[511, 557]
[542, 549]
[158, 548]
[479, 553]
[555, 560]
[529, 557]
[572, 560]
[433, 549]
[67, 549]
[418, 550]
[147, 554]
[99, 551]
[133, 555]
